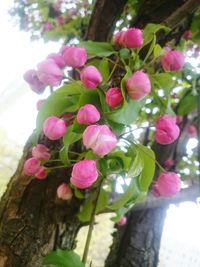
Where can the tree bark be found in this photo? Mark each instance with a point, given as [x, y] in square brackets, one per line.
[137, 244]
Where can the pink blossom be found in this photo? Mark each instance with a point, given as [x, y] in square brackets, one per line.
[58, 59]
[138, 85]
[47, 26]
[64, 192]
[179, 119]
[187, 35]
[122, 221]
[88, 114]
[114, 97]
[41, 173]
[191, 130]
[167, 185]
[173, 60]
[118, 38]
[168, 163]
[41, 152]
[49, 73]
[133, 38]
[40, 103]
[91, 77]
[36, 85]
[84, 174]
[31, 166]
[166, 130]
[54, 128]
[100, 139]
[74, 57]
[60, 20]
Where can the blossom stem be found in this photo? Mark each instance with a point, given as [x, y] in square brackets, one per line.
[91, 225]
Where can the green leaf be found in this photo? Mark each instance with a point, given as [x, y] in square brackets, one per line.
[63, 258]
[98, 49]
[128, 113]
[137, 162]
[158, 51]
[104, 69]
[102, 201]
[132, 192]
[89, 97]
[119, 159]
[151, 48]
[187, 104]
[147, 174]
[86, 210]
[151, 29]
[64, 99]
[163, 80]
[124, 53]
[69, 138]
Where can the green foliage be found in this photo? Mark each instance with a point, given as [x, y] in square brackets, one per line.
[187, 104]
[63, 258]
[151, 29]
[98, 49]
[69, 138]
[128, 113]
[62, 100]
[86, 210]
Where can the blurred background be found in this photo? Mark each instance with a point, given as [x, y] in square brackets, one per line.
[180, 245]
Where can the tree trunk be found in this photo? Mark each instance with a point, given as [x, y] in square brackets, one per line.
[137, 244]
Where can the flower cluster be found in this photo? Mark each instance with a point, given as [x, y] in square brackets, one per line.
[33, 166]
[98, 134]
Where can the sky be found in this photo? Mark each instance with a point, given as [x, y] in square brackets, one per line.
[17, 102]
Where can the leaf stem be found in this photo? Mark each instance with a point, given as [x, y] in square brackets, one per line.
[91, 226]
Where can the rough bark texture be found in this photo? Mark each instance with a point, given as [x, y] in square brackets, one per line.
[137, 245]
[33, 220]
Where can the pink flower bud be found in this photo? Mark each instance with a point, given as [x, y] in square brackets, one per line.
[41, 173]
[166, 130]
[133, 38]
[49, 73]
[191, 130]
[173, 61]
[84, 174]
[118, 38]
[41, 152]
[88, 114]
[100, 139]
[138, 85]
[31, 167]
[54, 128]
[64, 192]
[91, 77]
[179, 119]
[168, 163]
[167, 185]
[122, 221]
[60, 20]
[114, 97]
[36, 85]
[187, 35]
[47, 26]
[74, 57]
[40, 103]
[58, 59]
